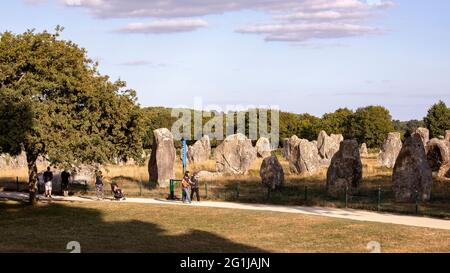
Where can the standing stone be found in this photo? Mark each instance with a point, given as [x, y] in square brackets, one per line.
[293, 141]
[328, 145]
[235, 155]
[83, 174]
[390, 150]
[412, 172]
[5, 161]
[424, 134]
[345, 170]
[41, 161]
[13, 162]
[271, 172]
[447, 135]
[200, 151]
[438, 156]
[363, 152]
[21, 161]
[162, 159]
[304, 158]
[125, 162]
[286, 150]
[263, 148]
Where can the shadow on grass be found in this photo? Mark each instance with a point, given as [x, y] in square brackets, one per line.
[49, 227]
[10, 184]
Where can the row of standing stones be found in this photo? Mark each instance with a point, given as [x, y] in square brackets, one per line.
[412, 161]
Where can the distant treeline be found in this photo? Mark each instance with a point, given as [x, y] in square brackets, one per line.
[368, 125]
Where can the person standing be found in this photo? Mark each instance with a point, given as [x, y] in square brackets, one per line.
[48, 180]
[195, 187]
[65, 175]
[185, 184]
[99, 185]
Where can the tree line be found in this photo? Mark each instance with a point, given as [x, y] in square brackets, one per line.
[55, 103]
[368, 125]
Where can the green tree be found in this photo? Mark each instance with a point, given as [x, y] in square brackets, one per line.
[302, 125]
[438, 119]
[371, 125]
[54, 103]
[406, 128]
[337, 122]
[155, 118]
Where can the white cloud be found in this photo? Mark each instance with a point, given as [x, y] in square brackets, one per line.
[164, 26]
[292, 20]
[34, 2]
[301, 32]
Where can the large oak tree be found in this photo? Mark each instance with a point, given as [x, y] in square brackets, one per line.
[54, 103]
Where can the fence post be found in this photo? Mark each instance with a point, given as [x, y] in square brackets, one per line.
[379, 199]
[417, 202]
[346, 196]
[238, 188]
[206, 190]
[172, 190]
[17, 183]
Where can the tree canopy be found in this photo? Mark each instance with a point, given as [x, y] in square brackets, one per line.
[55, 103]
[438, 119]
[337, 122]
[371, 125]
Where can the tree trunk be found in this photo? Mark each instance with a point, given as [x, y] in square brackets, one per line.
[32, 178]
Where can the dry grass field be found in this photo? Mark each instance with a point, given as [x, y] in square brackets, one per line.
[298, 190]
[126, 227]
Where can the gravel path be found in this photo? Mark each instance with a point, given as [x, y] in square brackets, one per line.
[358, 215]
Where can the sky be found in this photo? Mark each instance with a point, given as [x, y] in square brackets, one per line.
[303, 56]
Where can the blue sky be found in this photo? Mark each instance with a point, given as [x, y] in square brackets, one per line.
[303, 55]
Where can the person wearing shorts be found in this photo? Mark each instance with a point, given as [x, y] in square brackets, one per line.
[48, 177]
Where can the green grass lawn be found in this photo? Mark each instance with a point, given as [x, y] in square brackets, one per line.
[124, 227]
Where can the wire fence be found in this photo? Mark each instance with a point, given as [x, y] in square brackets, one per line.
[375, 198]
